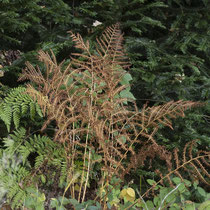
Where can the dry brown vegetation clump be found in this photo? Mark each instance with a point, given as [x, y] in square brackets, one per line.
[88, 100]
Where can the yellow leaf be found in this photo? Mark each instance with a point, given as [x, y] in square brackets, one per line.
[115, 202]
[123, 193]
[76, 187]
[128, 194]
[129, 198]
[131, 192]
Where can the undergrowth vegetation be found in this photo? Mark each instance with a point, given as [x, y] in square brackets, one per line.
[93, 137]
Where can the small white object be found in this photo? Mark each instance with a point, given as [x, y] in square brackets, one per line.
[180, 77]
[97, 23]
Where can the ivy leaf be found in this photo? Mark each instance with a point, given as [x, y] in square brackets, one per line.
[127, 94]
[125, 79]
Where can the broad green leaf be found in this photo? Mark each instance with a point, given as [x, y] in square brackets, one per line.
[150, 204]
[74, 202]
[54, 203]
[188, 183]
[39, 206]
[41, 198]
[201, 191]
[93, 208]
[176, 180]
[205, 205]
[182, 188]
[125, 79]
[151, 182]
[189, 206]
[127, 94]
[64, 200]
[156, 200]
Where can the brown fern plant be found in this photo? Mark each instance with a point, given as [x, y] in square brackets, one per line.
[193, 163]
[91, 115]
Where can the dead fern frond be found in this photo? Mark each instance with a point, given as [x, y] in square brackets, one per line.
[84, 99]
[196, 167]
[41, 99]
[80, 44]
[110, 45]
[162, 114]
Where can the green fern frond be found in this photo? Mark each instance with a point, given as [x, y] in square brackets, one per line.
[18, 198]
[32, 110]
[16, 105]
[12, 175]
[39, 161]
[63, 175]
[13, 141]
[15, 168]
[16, 117]
[6, 115]
[24, 151]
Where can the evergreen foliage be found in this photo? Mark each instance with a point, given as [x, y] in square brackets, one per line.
[26, 23]
[29, 26]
